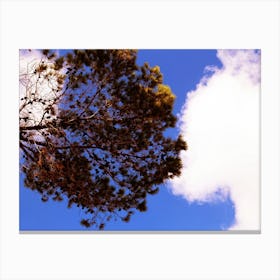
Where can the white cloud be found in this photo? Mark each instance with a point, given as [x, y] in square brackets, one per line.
[34, 86]
[37, 90]
[220, 122]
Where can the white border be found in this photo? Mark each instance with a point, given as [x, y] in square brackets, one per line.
[146, 24]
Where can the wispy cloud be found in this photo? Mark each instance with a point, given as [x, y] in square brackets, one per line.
[220, 122]
[34, 86]
[37, 89]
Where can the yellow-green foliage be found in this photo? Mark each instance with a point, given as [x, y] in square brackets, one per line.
[164, 96]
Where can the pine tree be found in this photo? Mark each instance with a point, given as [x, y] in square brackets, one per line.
[92, 126]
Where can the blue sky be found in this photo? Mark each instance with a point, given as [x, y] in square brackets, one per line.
[182, 71]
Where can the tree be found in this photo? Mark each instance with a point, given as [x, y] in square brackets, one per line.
[92, 126]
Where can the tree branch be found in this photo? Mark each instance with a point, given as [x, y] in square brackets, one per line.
[34, 127]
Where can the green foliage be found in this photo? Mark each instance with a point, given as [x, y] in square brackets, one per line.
[104, 150]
